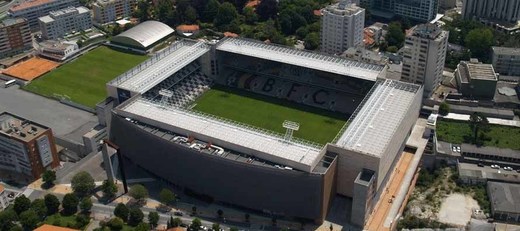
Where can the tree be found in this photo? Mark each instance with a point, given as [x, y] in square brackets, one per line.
[392, 49]
[210, 11]
[16, 228]
[142, 227]
[444, 108]
[153, 219]
[195, 224]
[29, 219]
[121, 211]
[479, 41]
[85, 205]
[220, 213]
[135, 217]
[21, 204]
[166, 196]
[115, 223]
[138, 192]
[82, 184]
[247, 217]
[250, 15]
[215, 227]
[70, 204]
[478, 122]
[312, 41]
[109, 189]
[233, 229]
[52, 203]
[190, 14]
[48, 178]
[267, 9]
[176, 222]
[395, 35]
[226, 14]
[82, 220]
[38, 205]
[7, 219]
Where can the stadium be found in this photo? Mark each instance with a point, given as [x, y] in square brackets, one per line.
[242, 122]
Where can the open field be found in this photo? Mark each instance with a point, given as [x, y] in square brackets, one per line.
[460, 131]
[83, 80]
[316, 125]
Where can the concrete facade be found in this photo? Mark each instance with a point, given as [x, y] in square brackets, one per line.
[418, 10]
[106, 11]
[59, 23]
[33, 9]
[500, 10]
[506, 61]
[15, 37]
[341, 27]
[424, 54]
[476, 80]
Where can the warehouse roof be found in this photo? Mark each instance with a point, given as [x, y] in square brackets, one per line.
[144, 34]
[504, 197]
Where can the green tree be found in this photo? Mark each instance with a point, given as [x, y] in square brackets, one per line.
[267, 9]
[138, 192]
[70, 204]
[250, 15]
[479, 41]
[478, 122]
[444, 108]
[16, 228]
[210, 11]
[176, 222]
[153, 219]
[21, 204]
[392, 49]
[115, 223]
[109, 189]
[7, 219]
[195, 224]
[29, 219]
[48, 178]
[166, 196]
[85, 205]
[190, 14]
[226, 14]
[216, 226]
[395, 35]
[135, 216]
[312, 41]
[82, 184]
[38, 205]
[233, 229]
[52, 203]
[121, 211]
[166, 12]
[142, 227]
[82, 220]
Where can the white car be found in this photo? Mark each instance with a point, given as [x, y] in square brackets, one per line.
[494, 166]
[508, 168]
[458, 149]
[453, 148]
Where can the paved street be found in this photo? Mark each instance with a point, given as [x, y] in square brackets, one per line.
[4, 8]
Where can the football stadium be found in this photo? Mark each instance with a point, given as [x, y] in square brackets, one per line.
[264, 127]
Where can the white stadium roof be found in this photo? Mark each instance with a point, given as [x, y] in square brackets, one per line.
[307, 59]
[377, 118]
[160, 66]
[266, 146]
[144, 34]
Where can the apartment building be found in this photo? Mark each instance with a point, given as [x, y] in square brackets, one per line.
[506, 61]
[15, 37]
[106, 11]
[500, 10]
[26, 147]
[61, 22]
[34, 9]
[424, 54]
[342, 27]
[416, 10]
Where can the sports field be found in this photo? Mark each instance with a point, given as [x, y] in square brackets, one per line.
[83, 80]
[316, 125]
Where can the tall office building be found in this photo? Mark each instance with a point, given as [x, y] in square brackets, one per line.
[64, 21]
[33, 9]
[106, 11]
[15, 37]
[499, 10]
[506, 60]
[342, 27]
[416, 10]
[26, 147]
[424, 54]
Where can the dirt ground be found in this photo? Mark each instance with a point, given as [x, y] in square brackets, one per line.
[456, 209]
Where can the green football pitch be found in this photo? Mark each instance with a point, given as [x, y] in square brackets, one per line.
[83, 80]
[317, 125]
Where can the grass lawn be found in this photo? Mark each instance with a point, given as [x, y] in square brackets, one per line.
[459, 132]
[60, 220]
[84, 79]
[316, 125]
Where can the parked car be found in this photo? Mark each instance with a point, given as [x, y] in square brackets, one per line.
[458, 149]
[480, 164]
[508, 168]
[177, 213]
[494, 166]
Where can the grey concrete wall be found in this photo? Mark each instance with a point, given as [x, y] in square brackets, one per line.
[293, 193]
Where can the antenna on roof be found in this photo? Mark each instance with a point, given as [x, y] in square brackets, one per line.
[291, 127]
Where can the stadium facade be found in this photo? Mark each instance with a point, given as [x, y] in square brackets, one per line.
[250, 167]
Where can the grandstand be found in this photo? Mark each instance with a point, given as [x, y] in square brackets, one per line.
[253, 167]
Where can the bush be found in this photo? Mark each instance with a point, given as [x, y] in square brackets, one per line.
[121, 211]
[116, 223]
[135, 217]
[82, 184]
[70, 204]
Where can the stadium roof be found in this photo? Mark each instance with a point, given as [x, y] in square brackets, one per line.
[160, 66]
[257, 142]
[317, 61]
[144, 34]
[377, 119]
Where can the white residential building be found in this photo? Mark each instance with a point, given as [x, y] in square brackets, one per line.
[57, 50]
[106, 11]
[424, 54]
[33, 9]
[506, 60]
[64, 21]
[342, 27]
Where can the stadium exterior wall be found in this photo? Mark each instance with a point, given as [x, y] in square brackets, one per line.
[271, 190]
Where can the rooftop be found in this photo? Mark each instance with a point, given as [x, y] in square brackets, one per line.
[11, 21]
[504, 197]
[68, 10]
[475, 70]
[429, 31]
[492, 151]
[506, 51]
[144, 34]
[29, 4]
[250, 141]
[343, 8]
[160, 66]
[378, 117]
[307, 59]
[19, 128]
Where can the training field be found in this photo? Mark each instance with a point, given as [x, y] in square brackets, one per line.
[316, 125]
[83, 80]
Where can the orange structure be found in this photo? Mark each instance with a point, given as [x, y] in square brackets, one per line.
[31, 69]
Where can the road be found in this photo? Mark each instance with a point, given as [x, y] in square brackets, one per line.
[4, 8]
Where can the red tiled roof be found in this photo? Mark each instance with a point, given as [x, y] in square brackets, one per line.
[185, 28]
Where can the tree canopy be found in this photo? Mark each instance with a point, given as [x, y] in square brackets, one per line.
[21, 204]
[479, 42]
[82, 184]
[395, 35]
[52, 203]
[138, 192]
[70, 204]
[166, 196]
[121, 211]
